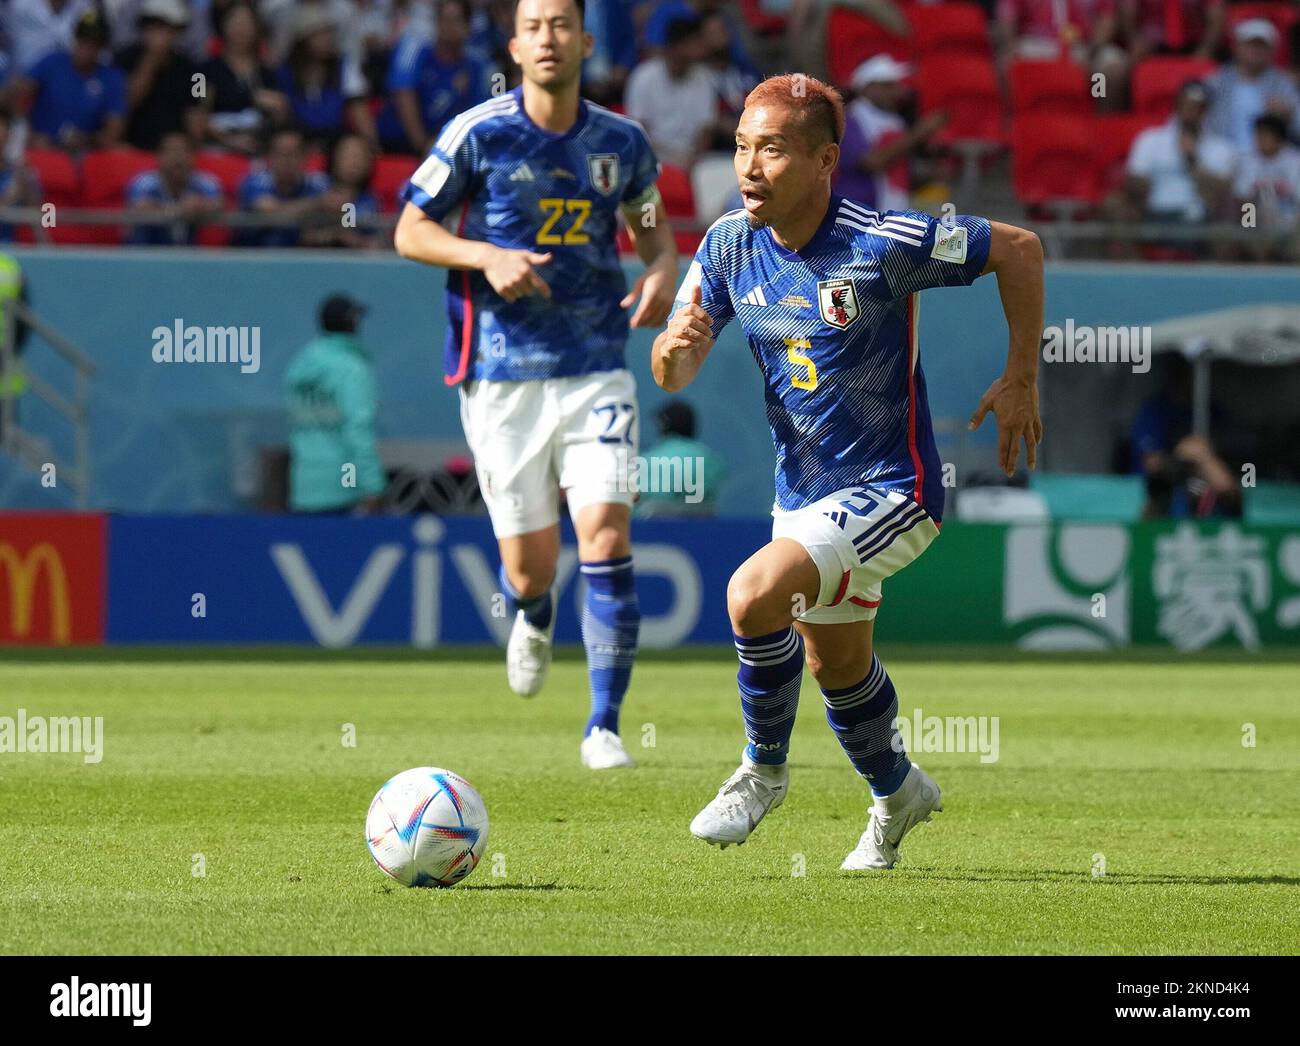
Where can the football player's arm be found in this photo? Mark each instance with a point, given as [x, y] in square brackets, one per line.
[680, 351]
[652, 236]
[512, 273]
[1016, 258]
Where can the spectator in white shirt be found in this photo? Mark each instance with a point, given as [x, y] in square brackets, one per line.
[1269, 179]
[1251, 86]
[674, 98]
[37, 27]
[1178, 172]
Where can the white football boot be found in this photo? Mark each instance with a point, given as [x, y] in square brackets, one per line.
[603, 750]
[528, 654]
[744, 799]
[892, 818]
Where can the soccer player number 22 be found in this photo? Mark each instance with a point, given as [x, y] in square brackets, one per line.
[555, 210]
[808, 379]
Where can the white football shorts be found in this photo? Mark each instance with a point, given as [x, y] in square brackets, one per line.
[857, 537]
[530, 439]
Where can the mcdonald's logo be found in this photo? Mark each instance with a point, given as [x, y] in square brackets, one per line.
[23, 571]
[51, 579]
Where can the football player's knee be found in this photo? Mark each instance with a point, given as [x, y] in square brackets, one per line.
[531, 581]
[833, 663]
[748, 604]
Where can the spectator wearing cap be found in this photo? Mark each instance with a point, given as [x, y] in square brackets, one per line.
[37, 27]
[77, 98]
[123, 17]
[285, 189]
[349, 196]
[241, 99]
[674, 98]
[1250, 86]
[1180, 171]
[160, 77]
[1269, 178]
[695, 473]
[174, 191]
[429, 83]
[332, 398]
[875, 155]
[19, 186]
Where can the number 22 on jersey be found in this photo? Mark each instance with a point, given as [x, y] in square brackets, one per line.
[555, 209]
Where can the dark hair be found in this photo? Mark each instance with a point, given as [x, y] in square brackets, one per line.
[221, 14]
[466, 8]
[581, 4]
[279, 130]
[676, 418]
[682, 29]
[175, 132]
[1272, 122]
[334, 152]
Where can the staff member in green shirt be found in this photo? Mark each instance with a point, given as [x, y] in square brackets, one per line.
[332, 399]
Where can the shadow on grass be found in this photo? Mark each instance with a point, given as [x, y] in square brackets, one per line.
[528, 887]
[1110, 878]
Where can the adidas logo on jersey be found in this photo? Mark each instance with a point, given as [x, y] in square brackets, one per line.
[523, 173]
[755, 298]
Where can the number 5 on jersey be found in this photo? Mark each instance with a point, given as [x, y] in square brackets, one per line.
[805, 376]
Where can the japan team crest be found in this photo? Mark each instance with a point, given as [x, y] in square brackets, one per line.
[604, 171]
[837, 302]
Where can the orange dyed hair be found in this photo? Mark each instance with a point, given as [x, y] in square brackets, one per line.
[818, 107]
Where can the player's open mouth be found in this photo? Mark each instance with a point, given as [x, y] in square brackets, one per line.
[753, 200]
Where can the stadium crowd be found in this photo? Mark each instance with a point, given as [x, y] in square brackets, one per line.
[1175, 112]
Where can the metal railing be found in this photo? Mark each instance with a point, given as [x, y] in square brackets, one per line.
[26, 446]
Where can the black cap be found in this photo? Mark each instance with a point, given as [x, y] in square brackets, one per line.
[90, 26]
[339, 313]
[676, 418]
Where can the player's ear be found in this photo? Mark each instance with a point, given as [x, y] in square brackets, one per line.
[512, 45]
[830, 158]
[588, 44]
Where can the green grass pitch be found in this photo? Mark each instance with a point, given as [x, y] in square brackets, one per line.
[238, 757]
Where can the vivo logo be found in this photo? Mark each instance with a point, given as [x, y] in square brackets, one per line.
[340, 626]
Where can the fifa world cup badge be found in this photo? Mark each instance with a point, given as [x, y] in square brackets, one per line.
[837, 301]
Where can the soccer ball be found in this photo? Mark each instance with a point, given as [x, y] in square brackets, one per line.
[427, 827]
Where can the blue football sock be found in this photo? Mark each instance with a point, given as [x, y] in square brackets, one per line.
[537, 610]
[771, 670]
[862, 717]
[611, 622]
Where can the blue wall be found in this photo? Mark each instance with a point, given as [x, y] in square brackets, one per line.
[167, 437]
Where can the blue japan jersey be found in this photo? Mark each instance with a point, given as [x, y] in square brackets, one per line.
[504, 180]
[833, 328]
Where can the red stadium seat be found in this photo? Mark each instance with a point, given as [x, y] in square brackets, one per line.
[1043, 88]
[1052, 159]
[1112, 142]
[759, 20]
[105, 176]
[1156, 81]
[966, 89]
[228, 168]
[1283, 16]
[107, 172]
[60, 180]
[949, 29]
[675, 187]
[391, 173]
[852, 38]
